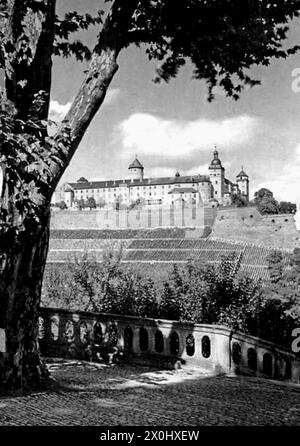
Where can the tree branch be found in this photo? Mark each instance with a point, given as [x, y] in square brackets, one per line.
[101, 71]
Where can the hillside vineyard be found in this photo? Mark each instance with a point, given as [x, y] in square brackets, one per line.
[159, 252]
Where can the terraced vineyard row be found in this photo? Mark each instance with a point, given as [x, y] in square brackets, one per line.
[255, 272]
[137, 244]
[70, 255]
[116, 233]
[183, 244]
[162, 270]
[164, 255]
[167, 255]
[86, 244]
[258, 255]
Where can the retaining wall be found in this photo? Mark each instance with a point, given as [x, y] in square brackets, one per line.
[124, 219]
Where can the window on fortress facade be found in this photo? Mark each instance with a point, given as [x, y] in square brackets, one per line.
[216, 192]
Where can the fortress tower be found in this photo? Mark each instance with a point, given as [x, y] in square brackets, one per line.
[242, 180]
[136, 170]
[217, 177]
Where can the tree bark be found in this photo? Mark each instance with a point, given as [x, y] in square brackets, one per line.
[23, 258]
[24, 236]
[26, 77]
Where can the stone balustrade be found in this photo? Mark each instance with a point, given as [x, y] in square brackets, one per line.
[163, 343]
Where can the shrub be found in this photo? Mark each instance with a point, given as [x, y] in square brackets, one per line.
[194, 293]
[61, 205]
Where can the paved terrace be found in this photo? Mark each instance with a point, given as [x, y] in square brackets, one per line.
[88, 394]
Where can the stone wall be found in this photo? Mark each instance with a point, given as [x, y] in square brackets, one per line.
[248, 225]
[123, 219]
[164, 344]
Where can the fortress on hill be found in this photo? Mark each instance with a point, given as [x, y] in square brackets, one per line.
[212, 189]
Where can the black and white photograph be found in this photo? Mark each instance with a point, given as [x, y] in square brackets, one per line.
[149, 216]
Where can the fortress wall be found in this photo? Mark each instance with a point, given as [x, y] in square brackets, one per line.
[275, 231]
[237, 224]
[192, 217]
[73, 220]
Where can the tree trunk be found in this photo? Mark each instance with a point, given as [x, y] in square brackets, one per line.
[24, 236]
[23, 257]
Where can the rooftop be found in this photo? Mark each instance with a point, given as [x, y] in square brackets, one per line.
[145, 182]
[242, 173]
[136, 164]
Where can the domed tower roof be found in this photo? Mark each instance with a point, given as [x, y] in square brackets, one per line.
[136, 164]
[216, 162]
[82, 180]
[242, 174]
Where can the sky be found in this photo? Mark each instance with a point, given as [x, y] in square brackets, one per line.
[172, 126]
